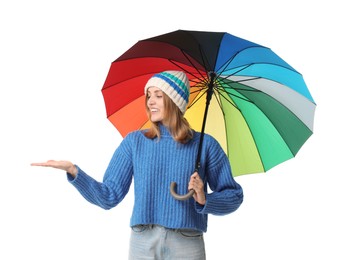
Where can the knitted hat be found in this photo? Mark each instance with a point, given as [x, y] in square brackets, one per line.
[174, 84]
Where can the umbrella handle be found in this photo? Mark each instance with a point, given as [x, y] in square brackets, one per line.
[177, 196]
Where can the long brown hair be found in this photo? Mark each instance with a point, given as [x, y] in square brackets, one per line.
[177, 124]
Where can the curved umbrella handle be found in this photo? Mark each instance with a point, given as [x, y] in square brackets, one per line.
[177, 196]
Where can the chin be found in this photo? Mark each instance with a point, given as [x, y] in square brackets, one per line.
[155, 120]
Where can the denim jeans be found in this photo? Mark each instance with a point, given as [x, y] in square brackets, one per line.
[158, 243]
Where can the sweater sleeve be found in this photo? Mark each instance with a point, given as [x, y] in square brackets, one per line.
[227, 194]
[116, 182]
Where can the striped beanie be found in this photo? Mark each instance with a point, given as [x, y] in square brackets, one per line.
[174, 84]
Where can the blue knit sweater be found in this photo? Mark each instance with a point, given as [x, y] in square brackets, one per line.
[154, 164]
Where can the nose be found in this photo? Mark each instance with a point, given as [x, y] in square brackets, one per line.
[151, 101]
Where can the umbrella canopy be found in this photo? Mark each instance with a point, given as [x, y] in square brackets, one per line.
[260, 110]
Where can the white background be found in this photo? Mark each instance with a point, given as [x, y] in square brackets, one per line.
[54, 58]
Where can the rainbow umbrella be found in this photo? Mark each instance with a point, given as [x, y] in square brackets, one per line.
[254, 103]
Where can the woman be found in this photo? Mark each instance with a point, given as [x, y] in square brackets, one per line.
[163, 227]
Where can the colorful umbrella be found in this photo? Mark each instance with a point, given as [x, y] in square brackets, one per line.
[259, 107]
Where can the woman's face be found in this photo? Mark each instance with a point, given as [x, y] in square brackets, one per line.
[155, 103]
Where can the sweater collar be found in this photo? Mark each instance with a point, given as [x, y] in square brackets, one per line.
[164, 131]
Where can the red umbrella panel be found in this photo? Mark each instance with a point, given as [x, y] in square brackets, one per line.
[123, 90]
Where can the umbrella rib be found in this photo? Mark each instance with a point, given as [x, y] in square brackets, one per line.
[251, 90]
[231, 94]
[198, 97]
[218, 100]
[225, 66]
[234, 105]
[243, 80]
[191, 63]
[223, 89]
[239, 82]
[236, 72]
[204, 59]
[227, 63]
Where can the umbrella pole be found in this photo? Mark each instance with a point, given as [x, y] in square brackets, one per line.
[198, 159]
